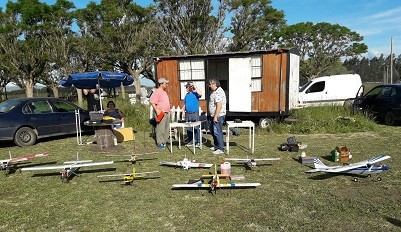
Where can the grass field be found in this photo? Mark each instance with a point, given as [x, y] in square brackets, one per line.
[287, 200]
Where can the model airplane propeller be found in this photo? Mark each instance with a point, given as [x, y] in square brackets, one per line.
[186, 164]
[135, 157]
[130, 177]
[214, 183]
[250, 163]
[365, 167]
[69, 168]
[7, 163]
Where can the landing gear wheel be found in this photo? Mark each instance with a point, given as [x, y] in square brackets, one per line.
[369, 175]
[355, 179]
[379, 178]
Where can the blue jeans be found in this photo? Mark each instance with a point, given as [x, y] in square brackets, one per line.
[193, 116]
[216, 129]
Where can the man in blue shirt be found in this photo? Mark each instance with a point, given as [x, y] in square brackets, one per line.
[191, 111]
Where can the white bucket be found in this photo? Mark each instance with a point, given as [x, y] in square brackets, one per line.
[225, 168]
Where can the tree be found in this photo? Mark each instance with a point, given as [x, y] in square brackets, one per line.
[321, 45]
[23, 45]
[253, 24]
[119, 29]
[190, 27]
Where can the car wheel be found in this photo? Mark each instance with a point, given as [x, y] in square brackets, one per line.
[25, 136]
[389, 118]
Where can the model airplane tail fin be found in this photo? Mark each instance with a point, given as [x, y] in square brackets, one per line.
[318, 164]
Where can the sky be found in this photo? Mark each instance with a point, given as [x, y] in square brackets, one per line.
[378, 21]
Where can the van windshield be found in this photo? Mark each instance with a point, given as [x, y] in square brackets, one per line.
[305, 86]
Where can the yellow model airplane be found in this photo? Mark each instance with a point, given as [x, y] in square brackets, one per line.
[214, 183]
[130, 177]
[135, 157]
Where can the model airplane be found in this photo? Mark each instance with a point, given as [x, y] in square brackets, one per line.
[214, 183]
[186, 164]
[69, 168]
[5, 164]
[130, 177]
[249, 162]
[365, 167]
[134, 157]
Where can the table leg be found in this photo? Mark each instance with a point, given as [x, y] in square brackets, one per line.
[200, 136]
[253, 140]
[228, 139]
[171, 141]
[193, 138]
[250, 141]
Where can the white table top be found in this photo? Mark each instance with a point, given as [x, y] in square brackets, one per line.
[240, 124]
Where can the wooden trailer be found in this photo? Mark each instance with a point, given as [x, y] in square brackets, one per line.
[259, 85]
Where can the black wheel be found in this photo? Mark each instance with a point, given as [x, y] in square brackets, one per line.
[369, 175]
[355, 179]
[389, 118]
[379, 178]
[25, 136]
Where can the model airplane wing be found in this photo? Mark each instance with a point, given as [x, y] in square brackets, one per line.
[200, 165]
[78, 165]
[345, 168]
[247, 159]
[234, 185]
[167, 163]
[137, 174]
[28, 157]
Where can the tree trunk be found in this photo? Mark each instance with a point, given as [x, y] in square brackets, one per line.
[80, 98]
[122, 90]
[55, 91]
[29, 88]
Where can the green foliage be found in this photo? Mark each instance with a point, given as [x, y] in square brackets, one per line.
[321, 45]
[327, 119]
[136, 116]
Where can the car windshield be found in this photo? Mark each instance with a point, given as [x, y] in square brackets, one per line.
[305, 86]
[9, 105]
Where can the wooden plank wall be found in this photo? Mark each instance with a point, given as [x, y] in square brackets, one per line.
[274, 82]
[169, 70]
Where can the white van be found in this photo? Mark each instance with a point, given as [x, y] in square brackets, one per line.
[329, 90]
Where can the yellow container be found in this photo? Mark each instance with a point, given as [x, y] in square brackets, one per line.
[124, 134]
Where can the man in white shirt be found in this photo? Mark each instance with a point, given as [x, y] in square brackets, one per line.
[217, 112]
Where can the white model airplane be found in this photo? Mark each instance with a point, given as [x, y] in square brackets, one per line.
[69, 168]
[130, 177]
[249, 162]
[365, 167]
[134, 157]
[186, 164]
[214, 183]
[6, 163]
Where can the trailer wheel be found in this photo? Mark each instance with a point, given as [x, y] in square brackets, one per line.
[265, 122]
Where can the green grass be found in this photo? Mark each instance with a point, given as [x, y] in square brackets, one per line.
[287, 200]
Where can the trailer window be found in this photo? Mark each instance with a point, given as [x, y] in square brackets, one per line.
[256, 78]
[192, 70]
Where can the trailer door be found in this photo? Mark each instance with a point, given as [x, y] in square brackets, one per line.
[240, 85]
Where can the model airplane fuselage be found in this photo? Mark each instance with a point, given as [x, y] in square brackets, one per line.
[69, 168]
[365, 167]
[250, 163]
[186, 164]
[5, 164]
[130, 177]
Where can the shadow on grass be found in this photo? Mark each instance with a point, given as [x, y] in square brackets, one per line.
[12, 170]
[77, 172]
[393, 221]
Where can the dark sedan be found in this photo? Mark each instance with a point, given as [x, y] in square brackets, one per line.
[383, 102]
[25, 120]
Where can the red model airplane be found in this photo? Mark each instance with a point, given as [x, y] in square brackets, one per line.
[5, 164]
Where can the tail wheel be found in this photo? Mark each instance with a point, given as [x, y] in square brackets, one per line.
[379, 178]
[355, 179]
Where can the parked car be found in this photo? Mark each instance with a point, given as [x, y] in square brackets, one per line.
[382, 102]
[24, 120]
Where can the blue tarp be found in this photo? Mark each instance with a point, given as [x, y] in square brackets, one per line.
[89, 80]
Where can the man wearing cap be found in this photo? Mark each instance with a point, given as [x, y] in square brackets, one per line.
[161, 104]
[191, 111]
